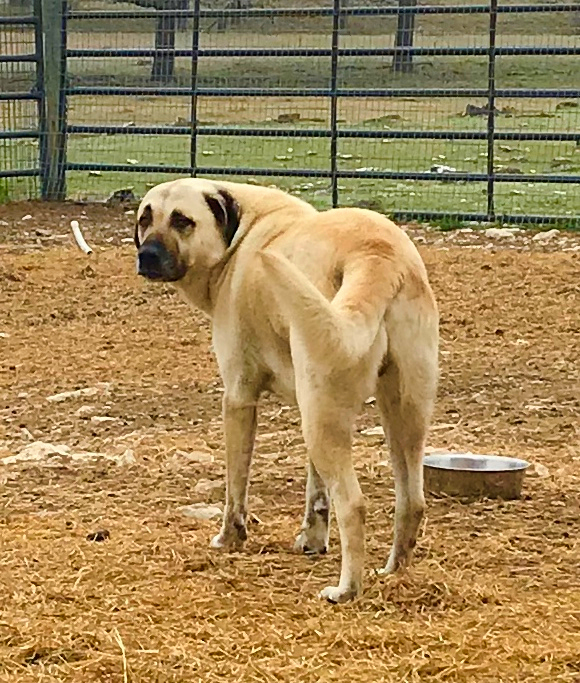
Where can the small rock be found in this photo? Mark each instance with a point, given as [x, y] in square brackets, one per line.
[540, 470]
[99, 536]
[201, 511]
[26, 218]
[98, 419]
[373, 431]
[87, 391]
[442, 168]
[4, 335]
[288, 118]
[370, 399]
[195, 456]
[37, 451]
[122, 196]
[473, 110]
[499, 233]
[207, 485]
[51, 455]
[546, 236]
[126, 458]
[84, 411]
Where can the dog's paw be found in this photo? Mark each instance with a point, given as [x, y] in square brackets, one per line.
[398, 561]
[337, 595]
[227, 542]
[310, 544]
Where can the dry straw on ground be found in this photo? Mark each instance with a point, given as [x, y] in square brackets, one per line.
[494, 594]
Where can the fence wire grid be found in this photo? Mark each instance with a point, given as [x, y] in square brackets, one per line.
[465, 111]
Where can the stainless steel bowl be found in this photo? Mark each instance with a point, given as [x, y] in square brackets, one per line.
[469, 475]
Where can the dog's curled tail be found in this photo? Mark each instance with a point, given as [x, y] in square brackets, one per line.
[340, 331]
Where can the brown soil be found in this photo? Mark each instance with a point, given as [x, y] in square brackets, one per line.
[494, 592]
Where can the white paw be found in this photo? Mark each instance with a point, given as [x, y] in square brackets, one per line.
[389, 568]
[227, 542]
[337, 595]
[218, 542]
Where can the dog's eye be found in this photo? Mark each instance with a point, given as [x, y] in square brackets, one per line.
[180, 222]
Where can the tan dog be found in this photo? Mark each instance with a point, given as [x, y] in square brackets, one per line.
[324, 309]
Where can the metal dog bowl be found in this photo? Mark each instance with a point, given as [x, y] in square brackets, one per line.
[469, 475]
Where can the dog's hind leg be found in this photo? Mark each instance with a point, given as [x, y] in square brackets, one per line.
[313, 536]
[405, 395]
[328, 415]
[240, 430]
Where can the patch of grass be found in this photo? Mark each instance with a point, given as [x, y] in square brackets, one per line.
[362, 72]
[313, 154]
[4, 195]
[447, 224]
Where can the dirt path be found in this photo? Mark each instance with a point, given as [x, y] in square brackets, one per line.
[494, 591]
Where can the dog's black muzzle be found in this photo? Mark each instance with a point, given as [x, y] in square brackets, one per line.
[156, 262]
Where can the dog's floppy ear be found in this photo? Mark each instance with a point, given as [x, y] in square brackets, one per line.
[144, 222]
[226, 212]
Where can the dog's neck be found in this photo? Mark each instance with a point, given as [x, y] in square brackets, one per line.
[195, 289]
[200, 287]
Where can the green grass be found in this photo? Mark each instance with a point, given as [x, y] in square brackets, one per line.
[391, 114]
[387, 154]
[362, 72]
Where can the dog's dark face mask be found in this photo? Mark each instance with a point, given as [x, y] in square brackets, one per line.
[158, 257]
[177, 233]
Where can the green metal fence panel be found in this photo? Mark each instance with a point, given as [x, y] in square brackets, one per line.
[467, 111]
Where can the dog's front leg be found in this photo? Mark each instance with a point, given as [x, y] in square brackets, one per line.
[240, 430]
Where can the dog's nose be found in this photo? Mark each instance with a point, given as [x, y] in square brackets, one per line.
[150, 258]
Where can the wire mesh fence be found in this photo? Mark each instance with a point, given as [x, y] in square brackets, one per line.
[467, 111]
[20, 102]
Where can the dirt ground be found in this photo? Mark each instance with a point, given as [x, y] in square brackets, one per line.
[494, 594]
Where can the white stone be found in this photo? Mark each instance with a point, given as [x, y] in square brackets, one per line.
[37, 451]
[84, 411]
[540, 470]
[49, 455]
[499, 233]
[373, 431]
[206, 485]
[195, 456]
[201, 511]
[87, 391]
[546, 236]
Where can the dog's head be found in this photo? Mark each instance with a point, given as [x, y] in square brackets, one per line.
[184, 225]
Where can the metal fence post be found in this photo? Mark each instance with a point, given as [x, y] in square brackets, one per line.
[491, 112]
[194, 68]
[334, 102]
[403, 59]
[53, 132]
[39, 87]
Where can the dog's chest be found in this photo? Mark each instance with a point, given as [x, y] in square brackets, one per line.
[254, 355]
